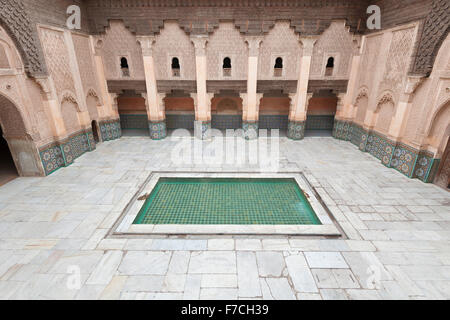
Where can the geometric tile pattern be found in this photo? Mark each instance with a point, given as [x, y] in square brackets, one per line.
[52, 158]
[250, 129]
[403, 158]
[423, 165]
[61, 154]
[296, 130]
[226, 201]
[380, 147]
[75, 147]
[110, 129]
[157, 130]
[341, 130]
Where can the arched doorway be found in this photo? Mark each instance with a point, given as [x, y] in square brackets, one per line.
[320, 115]
[8, 170]
[180, 110]
[95, 131]
[133, 114]
[274, 109]
[92, 103]
[226, 111]
[18, 154]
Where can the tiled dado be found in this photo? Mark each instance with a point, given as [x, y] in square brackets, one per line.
[250, 129]
[411, 162]
[157, 129]
[62, 153]
[296, 130]
[110, 129]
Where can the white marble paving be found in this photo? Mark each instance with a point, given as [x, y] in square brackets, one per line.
[55, 242]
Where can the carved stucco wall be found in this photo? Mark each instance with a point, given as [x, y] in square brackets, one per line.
[119, 42]
[226, 41]
[368, 64]
[57, 58]
[384, 68]
[14, 17]
[85, 63]
[173, 42]
[281, 41]
[397, 62]
[335, 42]
[429, 97]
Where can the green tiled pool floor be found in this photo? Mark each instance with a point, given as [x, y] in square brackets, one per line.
[226, 201]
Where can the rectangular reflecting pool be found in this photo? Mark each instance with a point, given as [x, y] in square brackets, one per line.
[241, 201]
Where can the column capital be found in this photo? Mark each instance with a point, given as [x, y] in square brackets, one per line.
[308, 44]
[253, 43]
[199, 44]
[146, 43]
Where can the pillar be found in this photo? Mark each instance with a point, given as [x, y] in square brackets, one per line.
[348, 113]
[106, 111]
[202, 101]
[153, 100]
[297, 114]
[157, 129]
[251, 100]
[85, 120]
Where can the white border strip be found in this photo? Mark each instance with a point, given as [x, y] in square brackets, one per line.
[126, 226]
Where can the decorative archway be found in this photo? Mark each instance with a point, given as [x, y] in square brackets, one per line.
[21, 147]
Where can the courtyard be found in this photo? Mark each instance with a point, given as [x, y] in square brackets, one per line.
[57, 239]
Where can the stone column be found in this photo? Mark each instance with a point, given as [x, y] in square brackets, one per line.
[297, 114]
[153, 101]
[157, 128]
[352, 86]
[341, 126]
[202, 123]
[251, 100]
[107, 111]
[85, 119]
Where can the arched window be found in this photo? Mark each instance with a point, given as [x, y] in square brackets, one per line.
[278, 68]
[124, 67]
[226, 67]
[175, 67]
[330, 66]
